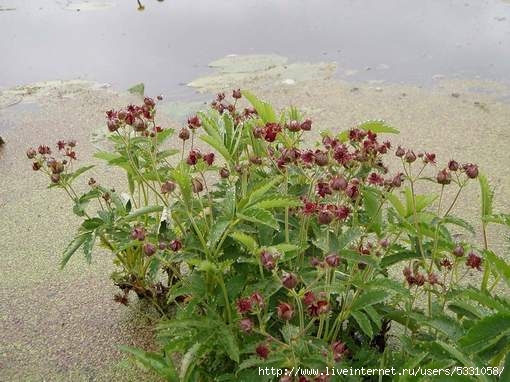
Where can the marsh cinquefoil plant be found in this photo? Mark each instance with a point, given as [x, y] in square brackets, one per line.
[278, 254]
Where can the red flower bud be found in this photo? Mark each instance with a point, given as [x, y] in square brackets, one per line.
[306, 125]
[262, 351]
[458, 251]
[294, 126]
[410, 156]
[167, 187]
[257, 299]
[244, 305]
[194, 122]
[184, 134]
[289, 280]
[333, 260]
[338, 183]
[444, 177]
[31, 153]
[453, 165]
[209, 158]
[268, 260]
[285, 311]
[138, 233]
[325, 216]
[471, 170]
[236, 94]
[339, 350]
[149, 249]
[321, 158]
[474, 261]
[246, 325]
[224, 173]
[175, 245]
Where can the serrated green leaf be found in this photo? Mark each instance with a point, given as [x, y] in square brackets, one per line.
[160, 364]
[363, 322]
[143, 211]
[276, 201]
[500, 265]
[485, 332]
[260, 216]
[246, 240]
[218, 145]
[73, 246]
[378, 127]
[264, 110]
[370, 297]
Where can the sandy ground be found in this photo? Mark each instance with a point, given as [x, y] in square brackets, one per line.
[62, 326]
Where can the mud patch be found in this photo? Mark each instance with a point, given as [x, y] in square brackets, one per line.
[269, 70]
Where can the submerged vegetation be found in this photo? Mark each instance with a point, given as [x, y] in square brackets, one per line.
[260, 250]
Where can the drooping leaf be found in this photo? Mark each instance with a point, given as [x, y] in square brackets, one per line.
[378, 127]
[486, 332]
[370, 297]
[157, 362]
[73, 246]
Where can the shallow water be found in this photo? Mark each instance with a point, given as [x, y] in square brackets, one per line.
[171, 42]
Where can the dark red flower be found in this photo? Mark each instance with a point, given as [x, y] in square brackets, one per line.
[167, 187]
[44, 150]
[474, 261]
[193, 157]
[271, 131]
[196, 185]
[236, 94]
[429, 158]
[293, 126]
[446, 263]
[285, 311]
[375, 179]
[149, 249]
[306, 125]
[342, 212]
[338, 183]
[339, 350]
[138, 233]
[309, 298]
[307, 157]
[246, 325]
[244, 305]
[175, 245]
[444, 177]
[453, 165]
[267, 259]
[323, 189]
[352, 190]
[257, 299]
[333, 260]
[224, 173]
[184, 134]
[317, 308]
[262, 351]
[194, 122]
[400, 152]
[410, 156]
[289, 280]
[325, 216]
[209, 158]
[31, 153]
[458, 251]
[471, 170]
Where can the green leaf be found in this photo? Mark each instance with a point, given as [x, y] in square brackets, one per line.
[78, 172]
[446, 325]
[219, 227]
[505, 375]
[246, 240]
[370, 297]
[143, 211]
[160, 364]
[378, 127]
[500, 265]
[276, 202]
[93, 223]
[363, 322]
[260, 216]
[487, 195]
[264, 109]
[486, 332]
[228, 342]
[372, 204]
[218, 145]
[374, 316]
[137, 89]
[73, 246]
[397, 204]
[88, 244]
[260, 189]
